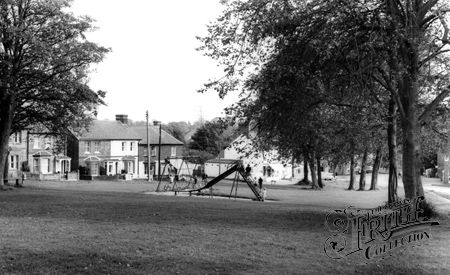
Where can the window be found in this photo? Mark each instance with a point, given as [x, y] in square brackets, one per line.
[124, 145]
[153, 151]
[97, 146]
[36, 165]
[173, 151]
[45, 165]
[145, 152]
[36, 142]
[14, 162]
[87, 146]
[48, 143]
[131, 146]
[17, 137]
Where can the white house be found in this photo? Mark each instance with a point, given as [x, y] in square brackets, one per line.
[263, 164]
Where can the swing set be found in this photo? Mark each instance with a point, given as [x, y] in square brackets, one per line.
[183, 173]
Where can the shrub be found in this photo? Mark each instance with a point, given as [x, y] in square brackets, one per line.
[429, 210]
[25, 167]
[84, 170]
[102, 171]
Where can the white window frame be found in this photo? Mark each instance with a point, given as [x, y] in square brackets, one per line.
[48, 143]
[131, 146]
[173, 151]
[45, 163]
[97, 146]
[124, 146]
[153, 149]
[37, 142]
[17, 137]
[36, 165]
[14, 162]
[87, 146]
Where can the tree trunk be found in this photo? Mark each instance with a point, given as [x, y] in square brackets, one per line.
[392, 146]
[352, 173]
[305, 168]
[319, 175]
[411, 143]
[6, 114]
[362, 177]
[312, 166]
[375, 170]
[293, 168]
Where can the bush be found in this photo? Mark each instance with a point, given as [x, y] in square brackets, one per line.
[102, 171]
[25, 167]
[84, 170]
[429, 210]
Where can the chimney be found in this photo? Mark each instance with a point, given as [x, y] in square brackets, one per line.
[122, 118]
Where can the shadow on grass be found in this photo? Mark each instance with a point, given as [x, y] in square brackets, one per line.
[67, 262]
[126, 208]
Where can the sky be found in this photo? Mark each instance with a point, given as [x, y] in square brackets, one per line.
[153, 64]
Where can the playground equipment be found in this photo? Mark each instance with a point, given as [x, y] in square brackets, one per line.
[238, 168]
[176, 174]
[234, 167]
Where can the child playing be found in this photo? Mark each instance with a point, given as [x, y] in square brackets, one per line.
[264, 193]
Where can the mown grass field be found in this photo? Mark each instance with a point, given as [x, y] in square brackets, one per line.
[114, 228]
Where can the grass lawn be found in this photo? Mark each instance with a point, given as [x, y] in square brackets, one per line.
[115, 228]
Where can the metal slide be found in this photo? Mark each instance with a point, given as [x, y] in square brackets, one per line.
[236, 167]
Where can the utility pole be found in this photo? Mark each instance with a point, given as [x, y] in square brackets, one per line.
[150, 177]
[156, 123]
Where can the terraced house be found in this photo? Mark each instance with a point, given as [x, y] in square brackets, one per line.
[36, 153]
[170, 148]
[110, 148]
[106, 148]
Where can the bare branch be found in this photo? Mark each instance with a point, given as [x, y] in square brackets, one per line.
[446, 30]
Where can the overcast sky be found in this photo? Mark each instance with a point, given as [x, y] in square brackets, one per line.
[153, 64]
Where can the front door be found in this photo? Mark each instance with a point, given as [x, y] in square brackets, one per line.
[94, 169]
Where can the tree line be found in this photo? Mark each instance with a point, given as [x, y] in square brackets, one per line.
[338, 79]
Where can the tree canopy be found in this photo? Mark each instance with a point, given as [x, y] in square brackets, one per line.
[44, 66]
[332, 74]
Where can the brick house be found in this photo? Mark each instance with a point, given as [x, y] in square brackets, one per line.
[106, 148]
[34, 152]
[170, 147]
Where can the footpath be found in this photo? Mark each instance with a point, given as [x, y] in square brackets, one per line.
[438, 194]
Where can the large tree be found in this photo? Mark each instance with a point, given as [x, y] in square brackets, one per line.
[210, 139]
[394, 44]
[44, 62]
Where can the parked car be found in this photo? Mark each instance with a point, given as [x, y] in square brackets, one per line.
[327, 176]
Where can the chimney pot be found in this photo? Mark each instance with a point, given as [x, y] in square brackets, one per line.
[122, 118]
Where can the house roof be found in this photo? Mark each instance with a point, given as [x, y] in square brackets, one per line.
[92, 159]
[187, 137]
[277, 167]
[166, 138]
[129, 158]
[42, 154]
[109, 130]
[224, 161]
[61, 157]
